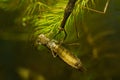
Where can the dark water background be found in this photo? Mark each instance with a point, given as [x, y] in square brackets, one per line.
[99, 48]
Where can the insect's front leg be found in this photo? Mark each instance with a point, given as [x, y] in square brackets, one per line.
[53, 53]
[51, 45]
[68, 10]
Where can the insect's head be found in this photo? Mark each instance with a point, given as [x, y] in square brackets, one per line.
[42, 39]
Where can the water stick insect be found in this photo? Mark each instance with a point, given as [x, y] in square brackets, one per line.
[69, 9]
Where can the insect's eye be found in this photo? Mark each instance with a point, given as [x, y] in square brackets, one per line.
[38, 42]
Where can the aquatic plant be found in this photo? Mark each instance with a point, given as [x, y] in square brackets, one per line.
[48, 19]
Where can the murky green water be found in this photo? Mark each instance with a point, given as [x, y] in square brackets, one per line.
[98, 50]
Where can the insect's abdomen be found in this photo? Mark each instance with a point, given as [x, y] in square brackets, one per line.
[68, 57]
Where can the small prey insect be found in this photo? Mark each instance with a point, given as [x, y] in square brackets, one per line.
[63, 53]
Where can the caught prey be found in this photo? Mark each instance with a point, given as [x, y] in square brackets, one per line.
[62, 52]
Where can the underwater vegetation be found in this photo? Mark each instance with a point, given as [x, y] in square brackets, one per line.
[53, 22]
[82, 33]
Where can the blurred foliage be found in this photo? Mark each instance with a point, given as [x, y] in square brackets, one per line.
[97, 35]
[47, 18]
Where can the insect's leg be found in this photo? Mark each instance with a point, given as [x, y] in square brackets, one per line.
[60, 30]
[76, 27]
[68, 10]
[65, 35]
[97, 11]
[106, 6]
[51, 45]
[54, 54]
[57, 34]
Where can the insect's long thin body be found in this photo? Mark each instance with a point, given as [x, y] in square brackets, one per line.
[68, 10]
[63, 53]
